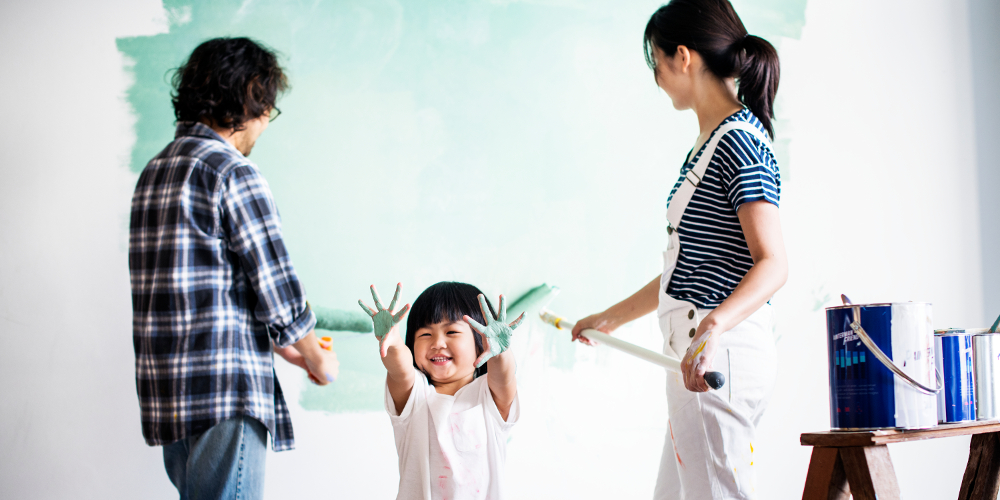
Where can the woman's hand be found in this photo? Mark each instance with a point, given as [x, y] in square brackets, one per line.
[637, 305]
[700, 355]
[602, 322]
[385, 321]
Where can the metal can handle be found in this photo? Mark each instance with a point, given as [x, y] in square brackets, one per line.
[870, 344]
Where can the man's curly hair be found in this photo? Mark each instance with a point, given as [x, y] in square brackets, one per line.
[227, 82]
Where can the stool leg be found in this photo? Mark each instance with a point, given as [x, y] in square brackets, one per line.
[982, 474]
[870, 473]
[826, 479]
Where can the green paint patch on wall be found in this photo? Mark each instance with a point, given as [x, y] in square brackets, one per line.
[772, 19]
[155, 57]
[303, 30]
[422, 118]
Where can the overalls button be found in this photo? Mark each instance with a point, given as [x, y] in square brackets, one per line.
[670, 230]
[691, 333]
[691, 314]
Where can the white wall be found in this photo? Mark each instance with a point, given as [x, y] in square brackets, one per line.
[879, 203]
[985, 38]
[69, 416]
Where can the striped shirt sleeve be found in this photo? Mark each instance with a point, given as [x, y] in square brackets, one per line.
[251, 225]
[746, 174]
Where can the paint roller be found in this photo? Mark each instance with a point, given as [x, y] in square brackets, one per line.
[533, 300]
[540, 296]
[338, 320]
[715, 380]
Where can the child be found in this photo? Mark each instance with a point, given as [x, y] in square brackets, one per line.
[450, 422]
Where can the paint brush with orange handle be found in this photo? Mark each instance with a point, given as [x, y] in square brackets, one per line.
[715, 380]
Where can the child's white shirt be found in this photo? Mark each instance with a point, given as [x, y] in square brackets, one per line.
[450, 447]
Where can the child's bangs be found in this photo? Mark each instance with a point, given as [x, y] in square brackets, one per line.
[445, 301]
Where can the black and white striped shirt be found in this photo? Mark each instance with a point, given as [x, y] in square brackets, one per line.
[714, 256]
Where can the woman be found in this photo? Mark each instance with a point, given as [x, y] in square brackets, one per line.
[726, 256]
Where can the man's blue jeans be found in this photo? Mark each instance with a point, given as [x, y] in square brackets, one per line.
[224, 462]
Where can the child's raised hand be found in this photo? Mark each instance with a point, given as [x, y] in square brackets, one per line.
[384, 320]
[497, 333]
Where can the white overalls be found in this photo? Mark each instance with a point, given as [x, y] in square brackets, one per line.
[708, 451]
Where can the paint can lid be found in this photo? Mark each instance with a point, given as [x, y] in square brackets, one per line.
[961, 331]
[879, 304]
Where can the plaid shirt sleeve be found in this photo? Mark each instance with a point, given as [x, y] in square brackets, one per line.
[251, 226]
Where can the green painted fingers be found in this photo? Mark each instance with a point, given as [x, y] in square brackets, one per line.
[383, 318]
[497, 333]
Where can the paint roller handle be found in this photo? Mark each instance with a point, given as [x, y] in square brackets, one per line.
[715, 380]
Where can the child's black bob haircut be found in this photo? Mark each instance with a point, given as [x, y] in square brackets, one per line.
[447, 301]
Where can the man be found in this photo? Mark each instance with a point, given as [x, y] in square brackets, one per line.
[212, 283]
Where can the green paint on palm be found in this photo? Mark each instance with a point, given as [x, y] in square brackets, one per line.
[496, 332]
[383, 319]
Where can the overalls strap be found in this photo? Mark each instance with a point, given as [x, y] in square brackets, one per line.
[681, 198]
[673, 314]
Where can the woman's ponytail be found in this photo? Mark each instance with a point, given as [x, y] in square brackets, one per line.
[758, 79]
[714, 30]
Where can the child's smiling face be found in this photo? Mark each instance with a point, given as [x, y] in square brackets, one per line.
[446, 351]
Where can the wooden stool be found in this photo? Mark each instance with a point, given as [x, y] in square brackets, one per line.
[858, 463]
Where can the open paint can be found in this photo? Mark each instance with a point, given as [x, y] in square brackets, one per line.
[953, 357]
[986, 349]
[882, 371]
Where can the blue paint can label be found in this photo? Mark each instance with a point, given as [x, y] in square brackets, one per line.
[956, 401]
[864, 393]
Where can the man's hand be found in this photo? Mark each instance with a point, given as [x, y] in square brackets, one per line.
[293, 356]
[317, 359]
[325, 365]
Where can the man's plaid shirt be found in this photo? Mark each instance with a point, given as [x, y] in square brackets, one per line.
[212, 286]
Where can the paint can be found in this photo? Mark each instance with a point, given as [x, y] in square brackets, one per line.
[953, 357]
[882, 372]
[986, 349]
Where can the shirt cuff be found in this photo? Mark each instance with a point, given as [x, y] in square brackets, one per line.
[750, 199]
[294, 332]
